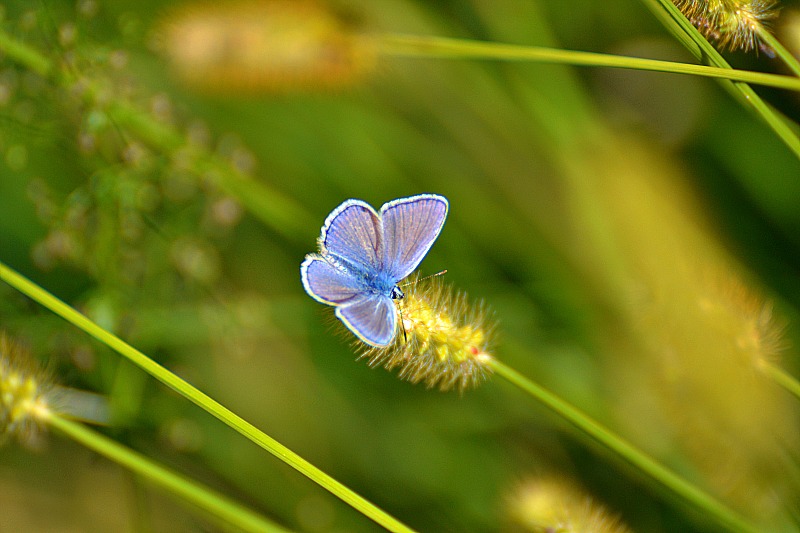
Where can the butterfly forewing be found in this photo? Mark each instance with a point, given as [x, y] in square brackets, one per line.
[373, 318]
[353, 232]
[328, 282]
[410, 227]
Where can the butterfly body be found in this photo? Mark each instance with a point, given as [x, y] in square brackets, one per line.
[364, 254]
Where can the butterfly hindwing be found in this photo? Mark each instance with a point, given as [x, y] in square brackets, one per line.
[328, 282]
[373, 318]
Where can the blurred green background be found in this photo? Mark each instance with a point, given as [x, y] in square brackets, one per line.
[589, 209]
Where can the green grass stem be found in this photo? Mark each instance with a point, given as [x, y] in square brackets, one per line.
[781, 52]
[683, 30]
[285, 215]
[226, 510]
[201, 399]
[289, 218]
[25, 55]
[400, 45]
[782, 378]
[632, 455]
[278, 211]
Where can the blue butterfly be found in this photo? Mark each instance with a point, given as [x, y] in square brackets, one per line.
[363, 255]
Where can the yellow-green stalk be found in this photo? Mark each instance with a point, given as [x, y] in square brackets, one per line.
[27, 398]
[202, 400]
[690, 337]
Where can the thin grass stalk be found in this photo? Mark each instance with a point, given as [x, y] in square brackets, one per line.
[287, 217]
[201, 399]
[632, 455]
[402, 45]
[226, 510]
[696, 43]
[781, 52]
[281, 211]
[25, 55]
[782, 378]
[278, 211]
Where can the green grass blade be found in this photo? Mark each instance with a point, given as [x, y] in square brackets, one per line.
[278, 211]
[399, 45]
[228, 511]
[780, 51]
[643, 462]
[201, 399]
[782, 378]
[693, 40]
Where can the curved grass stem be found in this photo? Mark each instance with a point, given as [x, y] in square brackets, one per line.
[625, 450]
[782, 378]
[446, 48]
[278, 211]
[683, 30]
[227, 511]
[781, 52]
[201, 399]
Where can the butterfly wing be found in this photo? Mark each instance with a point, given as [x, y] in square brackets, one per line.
[328, 282]
[372, 317]
[353, 233]
[360, 251]
[410, 227]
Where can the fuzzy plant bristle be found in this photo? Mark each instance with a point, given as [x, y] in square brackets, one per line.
[732, 24]
[23, 392]
[442, 340]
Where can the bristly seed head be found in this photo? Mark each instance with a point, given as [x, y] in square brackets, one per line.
[732, 24]
[442, 339]
[23, 392]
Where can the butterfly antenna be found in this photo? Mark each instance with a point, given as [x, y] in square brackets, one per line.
[426, 277]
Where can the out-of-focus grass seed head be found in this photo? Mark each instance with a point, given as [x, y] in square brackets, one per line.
[447, 340]
[24, 390]
[550, 504]
[687, 347]
[790, 30]
[263, 46]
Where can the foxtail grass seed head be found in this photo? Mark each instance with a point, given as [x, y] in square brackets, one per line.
[263, 46]
[442, 340]
[553, 504]
[745, 318]
[24, 390]
[732, 24]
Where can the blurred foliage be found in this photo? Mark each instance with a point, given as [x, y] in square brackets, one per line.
[623, 226]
